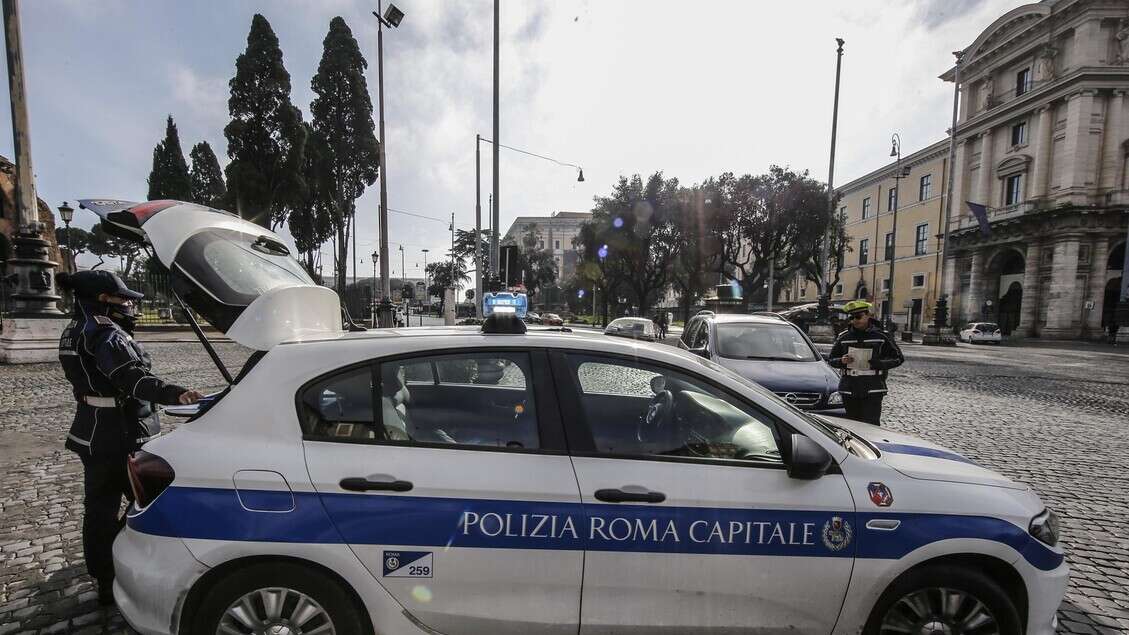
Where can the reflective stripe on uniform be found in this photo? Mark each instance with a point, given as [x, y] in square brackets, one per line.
[881, 390]
[100, 402]
[66, 353]
[78, 440]
[858, 373]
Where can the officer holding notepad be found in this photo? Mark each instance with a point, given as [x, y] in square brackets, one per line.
[864, 354]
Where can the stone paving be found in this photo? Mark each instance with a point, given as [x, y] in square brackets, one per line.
[1055, 419]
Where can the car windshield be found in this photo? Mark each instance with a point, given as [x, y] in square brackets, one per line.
[752, 340]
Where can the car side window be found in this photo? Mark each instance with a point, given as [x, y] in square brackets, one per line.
[688, 331]
[633, 408]
[479, 399]
[339, 406]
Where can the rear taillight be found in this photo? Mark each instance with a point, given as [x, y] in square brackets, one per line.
[149, 475]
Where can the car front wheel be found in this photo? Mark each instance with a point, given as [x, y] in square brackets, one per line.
[277, 598]
[946, 600]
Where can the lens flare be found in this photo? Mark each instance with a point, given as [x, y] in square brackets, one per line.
[617, 223]
[580, 293]
[602, 252]
[421, 594]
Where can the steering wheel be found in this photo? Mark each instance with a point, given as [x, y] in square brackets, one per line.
[657, 419]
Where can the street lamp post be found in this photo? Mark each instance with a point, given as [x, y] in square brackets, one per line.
[825, 274]
[895, 151]
[426, 280]
[391, 18]
[375, 259]
[66, 212]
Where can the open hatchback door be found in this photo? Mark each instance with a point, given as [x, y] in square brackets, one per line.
[239, 276]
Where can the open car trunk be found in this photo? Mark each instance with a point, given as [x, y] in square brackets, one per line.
[239, 276]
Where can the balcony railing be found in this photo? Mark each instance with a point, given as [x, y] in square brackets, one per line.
[966, 220]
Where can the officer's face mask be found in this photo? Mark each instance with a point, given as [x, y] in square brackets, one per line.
[123, 312]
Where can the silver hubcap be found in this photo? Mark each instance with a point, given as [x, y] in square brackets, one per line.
[939, 611]
[275, 611]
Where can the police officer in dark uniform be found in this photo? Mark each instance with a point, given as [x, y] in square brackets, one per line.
[863, 389]
[116, 395]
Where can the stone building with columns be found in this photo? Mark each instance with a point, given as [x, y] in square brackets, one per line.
[1042, 139]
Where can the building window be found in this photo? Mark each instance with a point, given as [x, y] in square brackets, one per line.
[919, 239]
[556, 244]
[885, 285]
[1022, 81]
[839, 289]
[918, 280]
[540, 244]
[843, 212]
[866, 208]
[1012, 188]
[864, 250]
[925, 189]
[804, 291]
[1019, 134]
[891, 199]
[888, 252]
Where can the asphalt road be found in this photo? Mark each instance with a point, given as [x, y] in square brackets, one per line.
[1053, 418]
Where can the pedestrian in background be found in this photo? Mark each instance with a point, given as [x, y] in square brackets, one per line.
[117, 396]
[864, 388]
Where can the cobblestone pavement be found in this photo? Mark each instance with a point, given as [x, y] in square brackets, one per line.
[1057, 420]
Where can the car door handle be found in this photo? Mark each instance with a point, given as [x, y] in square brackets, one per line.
[621, 496]
[363, 484]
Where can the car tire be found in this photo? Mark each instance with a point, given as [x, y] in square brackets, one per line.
[290, 582]
[922, 590]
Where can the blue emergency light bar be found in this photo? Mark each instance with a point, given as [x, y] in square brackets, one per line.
[505, 302]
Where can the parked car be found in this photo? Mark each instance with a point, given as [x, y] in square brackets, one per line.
[804, 314]
[981, 333]
[634, 328]
[551, 319]
[533, 317]
[769, 350]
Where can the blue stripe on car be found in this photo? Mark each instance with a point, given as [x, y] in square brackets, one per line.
[215, 514]
[916, 450]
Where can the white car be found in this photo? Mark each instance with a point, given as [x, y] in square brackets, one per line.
[497, 481]
[981, 332]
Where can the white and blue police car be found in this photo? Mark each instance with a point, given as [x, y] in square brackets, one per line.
[504, 481]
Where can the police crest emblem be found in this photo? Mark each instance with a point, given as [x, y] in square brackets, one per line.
[837, 533]
[880, 495]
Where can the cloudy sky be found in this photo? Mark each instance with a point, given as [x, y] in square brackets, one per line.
[617, 86]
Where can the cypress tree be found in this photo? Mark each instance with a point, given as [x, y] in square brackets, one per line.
[265, 138]
[342, 117]
[207, 179]
[169, 175]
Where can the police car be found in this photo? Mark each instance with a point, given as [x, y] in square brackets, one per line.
[504, 481]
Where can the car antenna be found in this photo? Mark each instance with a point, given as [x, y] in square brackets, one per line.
[203, 339]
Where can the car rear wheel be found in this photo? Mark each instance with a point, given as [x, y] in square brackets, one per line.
[944, 600]
[279, 599]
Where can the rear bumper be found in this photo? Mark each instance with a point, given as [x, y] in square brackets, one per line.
[152, 577]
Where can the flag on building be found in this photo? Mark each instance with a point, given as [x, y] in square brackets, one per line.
[981, 214]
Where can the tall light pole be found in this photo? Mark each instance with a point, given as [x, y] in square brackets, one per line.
[375, 259]
[477, 226]
[390, 18]
[497, 136]
[895, 151]
[426, 281]
[825, 274]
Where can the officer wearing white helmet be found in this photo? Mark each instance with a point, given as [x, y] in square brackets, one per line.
[116, 412]
[864, 353]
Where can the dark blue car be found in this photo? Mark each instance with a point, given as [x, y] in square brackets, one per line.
[769, 350]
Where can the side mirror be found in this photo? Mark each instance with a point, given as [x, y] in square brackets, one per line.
[809, 460]
[701, 352]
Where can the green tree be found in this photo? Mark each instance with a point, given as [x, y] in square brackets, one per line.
[446, 274]
[464, 246]
[77, 239]
[206, 177]
[104, 245]
[311, 221]
[538, 267]
[169, 176]
[636, 223]
[695, 266]
[342, 116]
[265, 138]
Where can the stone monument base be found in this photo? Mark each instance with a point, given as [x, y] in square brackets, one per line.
[31, 340]
[935, 336]
[821, 333]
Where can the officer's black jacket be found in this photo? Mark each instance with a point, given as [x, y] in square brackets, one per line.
[884, 356]
[100, 359]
